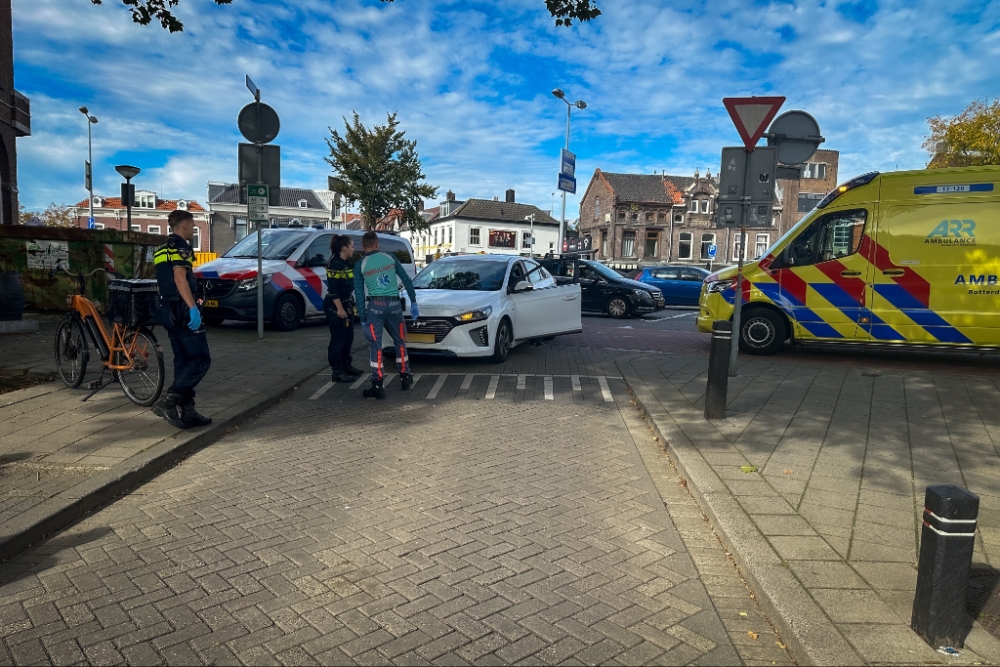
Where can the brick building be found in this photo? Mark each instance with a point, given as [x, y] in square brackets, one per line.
[15, 119]
[149, 215]
[298, 208]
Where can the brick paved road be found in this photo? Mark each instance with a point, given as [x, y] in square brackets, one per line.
[450, 530]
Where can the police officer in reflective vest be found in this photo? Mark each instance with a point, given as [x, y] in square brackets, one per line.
[376, 289]
[180, 316]
[339, 309]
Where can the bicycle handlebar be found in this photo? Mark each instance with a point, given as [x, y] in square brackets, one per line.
[79, 275]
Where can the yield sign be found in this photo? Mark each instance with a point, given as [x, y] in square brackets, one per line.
[752, 115]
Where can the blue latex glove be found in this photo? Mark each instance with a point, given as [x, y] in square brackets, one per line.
[414, 311]
[195, 322]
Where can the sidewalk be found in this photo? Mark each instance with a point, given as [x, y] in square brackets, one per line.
[61, 458]
[826, 523]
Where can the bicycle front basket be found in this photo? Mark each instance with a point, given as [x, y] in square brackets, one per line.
[133, 303]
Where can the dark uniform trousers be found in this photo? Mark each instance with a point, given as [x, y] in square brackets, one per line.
[338, 352]
[192, 358]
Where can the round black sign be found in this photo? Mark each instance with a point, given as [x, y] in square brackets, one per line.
[266, 130]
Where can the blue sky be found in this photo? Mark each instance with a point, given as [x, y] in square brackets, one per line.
[471, 83]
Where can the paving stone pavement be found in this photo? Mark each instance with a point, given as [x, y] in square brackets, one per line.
[457, 530]
[829, 519]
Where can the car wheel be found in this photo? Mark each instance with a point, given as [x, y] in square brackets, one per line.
[287, 313]
[618, 307]
[502, 342]
[762, 331]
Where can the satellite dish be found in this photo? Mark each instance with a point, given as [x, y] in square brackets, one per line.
[796, 135]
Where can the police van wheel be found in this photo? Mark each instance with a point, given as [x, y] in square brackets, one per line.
[287, 313]
[762, 331]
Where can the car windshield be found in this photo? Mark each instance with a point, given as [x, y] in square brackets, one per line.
[275, 244]
[608, 274]
[462, 274]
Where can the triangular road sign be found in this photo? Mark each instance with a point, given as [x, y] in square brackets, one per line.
[752, 115]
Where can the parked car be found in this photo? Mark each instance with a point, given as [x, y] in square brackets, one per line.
[604, 290]
[295, 261]
[484, 305]
[681, 285]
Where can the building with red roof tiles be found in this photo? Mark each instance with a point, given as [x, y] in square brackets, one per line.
[149, 215]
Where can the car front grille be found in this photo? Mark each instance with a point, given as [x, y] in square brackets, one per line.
[657, 295]
[216, 288]
[439, 326]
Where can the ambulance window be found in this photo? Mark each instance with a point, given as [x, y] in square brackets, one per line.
[832, 236]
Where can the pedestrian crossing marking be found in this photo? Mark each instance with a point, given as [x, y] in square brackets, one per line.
[576, 382]
[437, 387]
[467, 383]
[322, 390]
[603, 381]
[549, 396]
[491, 391]
[548, 383]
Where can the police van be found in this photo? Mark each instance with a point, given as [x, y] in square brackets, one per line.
[901, 258]
[294, 262]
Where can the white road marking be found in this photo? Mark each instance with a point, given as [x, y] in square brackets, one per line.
[437, 386]
[605, 389]
[491, 391]
[548, 388]
[467, 382]
[674, 317]
[416, 378]
[367, 376]
[521, 380]
[322, 390]
[576, 382]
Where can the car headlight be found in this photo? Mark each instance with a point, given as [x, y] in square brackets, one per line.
[247, 285]
[719, 286]
[642, 294]
[474, 315]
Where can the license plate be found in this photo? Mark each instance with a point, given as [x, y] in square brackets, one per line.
[420, 338]
[211, 303]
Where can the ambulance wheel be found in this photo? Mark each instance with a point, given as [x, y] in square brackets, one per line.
[762, 331]
[287, 313]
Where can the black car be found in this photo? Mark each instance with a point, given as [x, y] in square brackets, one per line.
[605, 290]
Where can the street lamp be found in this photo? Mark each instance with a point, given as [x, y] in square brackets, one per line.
[128, 173]
[89, 170]
[579, 104]
[531, 234]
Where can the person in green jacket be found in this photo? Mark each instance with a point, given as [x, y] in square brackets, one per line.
[376, 291]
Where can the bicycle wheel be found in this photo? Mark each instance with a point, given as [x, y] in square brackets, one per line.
[143, 382]
[72, 353]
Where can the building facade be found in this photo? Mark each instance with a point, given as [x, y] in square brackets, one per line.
[15, 119]
[149, 215]
[298, 208]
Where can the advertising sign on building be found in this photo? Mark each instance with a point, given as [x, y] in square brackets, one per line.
[500, 238]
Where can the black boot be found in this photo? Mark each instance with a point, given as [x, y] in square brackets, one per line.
[405, 380]
[375, 391]
[166, 409]
[191, 417]
[341, 375]
[351, 370]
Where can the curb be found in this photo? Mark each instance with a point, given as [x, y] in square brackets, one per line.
[69, 506]
[803, 627]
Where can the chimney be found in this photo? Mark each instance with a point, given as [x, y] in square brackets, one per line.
[450, 196]
[495, 198]
[510, 195]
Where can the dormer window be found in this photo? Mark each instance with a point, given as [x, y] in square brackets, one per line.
[98, 202]
[303, 203]
[182, 205]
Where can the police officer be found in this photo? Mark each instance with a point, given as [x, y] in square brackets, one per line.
[180, 316]
[339, 308]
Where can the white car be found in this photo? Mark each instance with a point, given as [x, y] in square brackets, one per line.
[484, 305]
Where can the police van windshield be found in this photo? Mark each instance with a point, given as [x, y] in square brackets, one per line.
[275, 244]
[463, 274]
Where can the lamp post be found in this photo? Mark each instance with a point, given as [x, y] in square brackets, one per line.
[579, 104]
[128, 173]
[89, 171]
[531, 234]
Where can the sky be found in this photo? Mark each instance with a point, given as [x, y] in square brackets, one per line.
[471, 82]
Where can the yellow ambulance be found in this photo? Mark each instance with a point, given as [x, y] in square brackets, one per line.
[902, 258]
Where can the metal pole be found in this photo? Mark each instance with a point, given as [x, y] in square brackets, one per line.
[90, 159]
[562, 218]
[260, 239]
[128, 203]
[738, 297]
[531, 226]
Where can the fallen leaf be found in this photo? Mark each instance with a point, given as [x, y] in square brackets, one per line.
[780, 645]
[743, 613]
[752, 635]
[788, 471]
[748, 468]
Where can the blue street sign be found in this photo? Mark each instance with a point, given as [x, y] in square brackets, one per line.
[567, 183]
[567, 163]
[90, 223]
[712, 250]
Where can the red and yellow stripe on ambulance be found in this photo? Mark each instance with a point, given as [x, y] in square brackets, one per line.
[904, 257]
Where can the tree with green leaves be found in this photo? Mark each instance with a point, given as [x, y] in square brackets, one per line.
[969, 139]
[378, 169]
[55, 215]
[145, 12]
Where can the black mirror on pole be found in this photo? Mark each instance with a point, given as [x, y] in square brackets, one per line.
[128, 172]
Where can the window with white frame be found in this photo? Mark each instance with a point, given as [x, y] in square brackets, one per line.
[450, 232]
[707, 240]
[136, 228]
[694, 205]
[628, 243]
[153, 229]
[679, 219]
[684, 245]
[760, 245]
[474, 236]
[98, 225]
[196, 239]
[239, 229]
[652, 244]
[814, 170]
[597, 208]
[604, 243]
[736, 247]
[705, 205]
[526, 240]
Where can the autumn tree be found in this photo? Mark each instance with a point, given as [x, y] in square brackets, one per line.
[969, 139]
[379, 169]
[55, 215]
[145, 12]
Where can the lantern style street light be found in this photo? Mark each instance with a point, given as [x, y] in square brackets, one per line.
[128, 172]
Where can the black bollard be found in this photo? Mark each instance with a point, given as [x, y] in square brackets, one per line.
[718, 370]
[946, 543]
